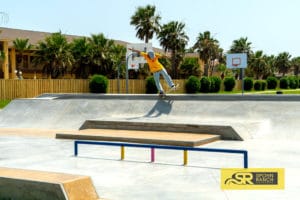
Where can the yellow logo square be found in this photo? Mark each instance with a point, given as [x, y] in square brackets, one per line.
[252, 178]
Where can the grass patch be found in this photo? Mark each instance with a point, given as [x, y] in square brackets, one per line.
[3, 103]
[284, 91]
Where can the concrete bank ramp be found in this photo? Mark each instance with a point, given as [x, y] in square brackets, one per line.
[251, 116]
[22, 184]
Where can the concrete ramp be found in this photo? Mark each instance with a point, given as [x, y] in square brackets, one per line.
[22, 184]
[250, 116]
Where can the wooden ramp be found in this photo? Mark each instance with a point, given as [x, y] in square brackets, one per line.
[147, 137]
[20, 184]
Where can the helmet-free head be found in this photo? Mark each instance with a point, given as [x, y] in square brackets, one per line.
[151, 54]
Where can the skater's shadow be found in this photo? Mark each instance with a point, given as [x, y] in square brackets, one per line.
[161, 106]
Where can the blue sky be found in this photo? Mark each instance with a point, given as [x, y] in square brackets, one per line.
[271, 25]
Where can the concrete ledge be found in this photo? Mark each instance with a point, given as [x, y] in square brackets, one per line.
[225, 132]
[19, 184]
[178, 97]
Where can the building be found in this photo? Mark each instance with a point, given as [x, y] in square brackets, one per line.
[9, 65]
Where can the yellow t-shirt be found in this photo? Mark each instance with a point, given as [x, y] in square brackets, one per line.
[154, 64]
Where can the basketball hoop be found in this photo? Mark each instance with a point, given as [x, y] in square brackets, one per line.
[236, 61]
[134, 60]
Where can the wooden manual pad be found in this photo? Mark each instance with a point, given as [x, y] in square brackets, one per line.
[31, 184]
[147, 137]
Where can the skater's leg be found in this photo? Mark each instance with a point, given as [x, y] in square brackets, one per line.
[167, 77]
[156, 76]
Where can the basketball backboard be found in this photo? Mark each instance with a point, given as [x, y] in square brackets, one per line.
[237, 60]
[133, 60]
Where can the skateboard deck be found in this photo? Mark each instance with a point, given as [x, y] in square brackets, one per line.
[164, 95]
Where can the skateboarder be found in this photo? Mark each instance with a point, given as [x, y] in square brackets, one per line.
[157, 69]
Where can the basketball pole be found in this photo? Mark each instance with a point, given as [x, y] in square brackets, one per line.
[242, 81]
[127, 72]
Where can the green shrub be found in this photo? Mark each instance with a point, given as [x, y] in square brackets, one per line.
[150, 85]
[258, 85]
[271, 82]
[98, 84]
[293, 82]
[215, 83]
[229, 83]
[192, 85]
[204, 84]
[248, 83]
[263, 84]
[284, 83]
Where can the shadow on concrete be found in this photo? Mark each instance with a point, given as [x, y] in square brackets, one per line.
[162, 106]
[154, 163]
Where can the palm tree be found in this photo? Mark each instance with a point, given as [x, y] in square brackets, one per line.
[208, 49]
[188, 67]
[21, 45]
[270, 60]
[241, 46]
[258, 64]
[283, 63]
[295, 62]
[117, 54]
[80, 49]
[172, 37]
[55, 54]
[146, 22]
[100, 58]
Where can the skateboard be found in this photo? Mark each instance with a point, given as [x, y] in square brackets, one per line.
[164, 95]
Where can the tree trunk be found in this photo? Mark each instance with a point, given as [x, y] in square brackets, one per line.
[206, 69]
[174, 70]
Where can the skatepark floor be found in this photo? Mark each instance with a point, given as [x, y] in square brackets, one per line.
[268, 124]
[137, 178]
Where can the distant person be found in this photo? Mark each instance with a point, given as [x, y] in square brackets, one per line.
[157, 69]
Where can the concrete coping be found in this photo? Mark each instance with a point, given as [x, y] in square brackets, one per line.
[181, 97]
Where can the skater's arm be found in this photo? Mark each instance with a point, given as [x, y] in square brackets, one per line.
[134, 50]
[161, 55]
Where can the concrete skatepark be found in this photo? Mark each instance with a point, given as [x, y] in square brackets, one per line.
[268, 127]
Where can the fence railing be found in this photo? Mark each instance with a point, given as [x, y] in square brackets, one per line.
[29, 88]
[153, 147]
